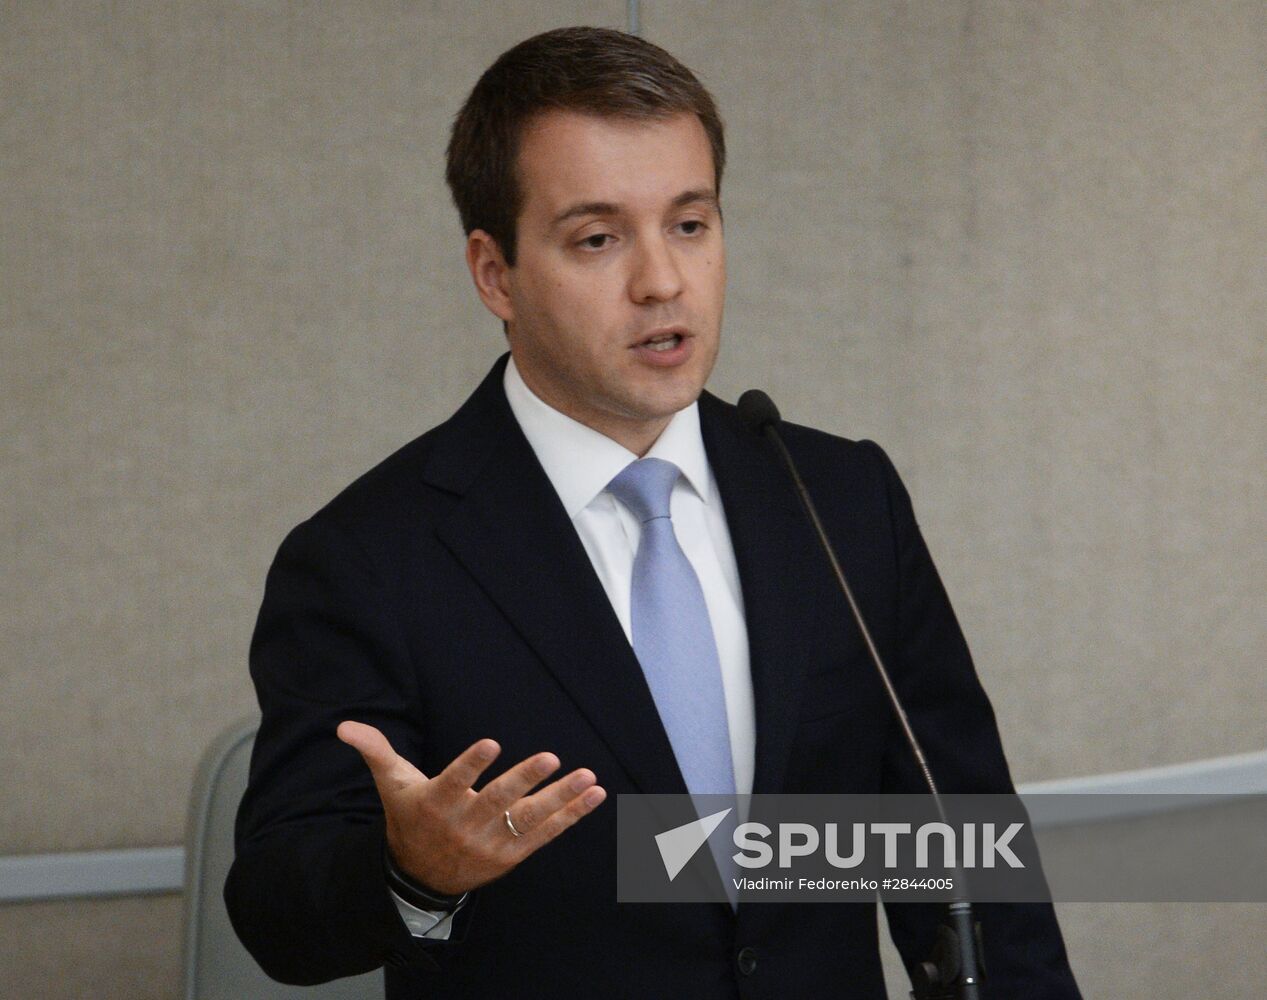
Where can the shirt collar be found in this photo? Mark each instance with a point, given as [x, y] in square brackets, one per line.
[580, 462]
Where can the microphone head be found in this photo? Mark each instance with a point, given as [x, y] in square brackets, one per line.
[757, 411]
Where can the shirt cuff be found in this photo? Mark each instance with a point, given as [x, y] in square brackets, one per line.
[425, 912]
[433, 924]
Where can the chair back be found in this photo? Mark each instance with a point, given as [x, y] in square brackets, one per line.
[216, 965]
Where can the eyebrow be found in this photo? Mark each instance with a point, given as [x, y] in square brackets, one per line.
[705, 195]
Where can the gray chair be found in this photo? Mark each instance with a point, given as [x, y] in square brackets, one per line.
[216, 966]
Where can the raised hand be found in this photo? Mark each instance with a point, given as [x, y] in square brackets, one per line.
[451, 838]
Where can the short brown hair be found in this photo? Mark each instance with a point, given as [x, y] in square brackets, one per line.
[597, 71]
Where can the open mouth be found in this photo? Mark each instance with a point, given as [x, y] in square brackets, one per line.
[663, 341]
[667, 347]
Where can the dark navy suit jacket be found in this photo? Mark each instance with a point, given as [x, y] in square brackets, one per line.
[445, 596]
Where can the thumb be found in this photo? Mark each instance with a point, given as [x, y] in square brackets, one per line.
[390, 770]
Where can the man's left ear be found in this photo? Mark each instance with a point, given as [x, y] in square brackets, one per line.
[489, 269]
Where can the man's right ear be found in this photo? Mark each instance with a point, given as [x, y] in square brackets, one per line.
[490, 272]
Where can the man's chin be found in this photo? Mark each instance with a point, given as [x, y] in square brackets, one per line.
[662, 406]
[670, 390]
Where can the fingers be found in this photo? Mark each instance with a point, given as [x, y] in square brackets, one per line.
[498, 794]
[539, 818]
[529, 812]
[387, 766]
[465, 769]
[369, 742]
[450, 837]
[575, 809]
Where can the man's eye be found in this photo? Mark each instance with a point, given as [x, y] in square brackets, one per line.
[691, 226]
[596, 242]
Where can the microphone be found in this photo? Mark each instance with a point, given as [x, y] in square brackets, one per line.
[955, 971]
[756, 410]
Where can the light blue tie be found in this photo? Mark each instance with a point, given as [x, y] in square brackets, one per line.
[672, 635]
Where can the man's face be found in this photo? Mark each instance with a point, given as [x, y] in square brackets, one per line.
[614, 304]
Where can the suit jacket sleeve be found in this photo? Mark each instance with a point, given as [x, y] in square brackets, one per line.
[933, 672]
[307, 892]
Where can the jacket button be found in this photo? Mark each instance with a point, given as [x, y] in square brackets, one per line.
[747, 961]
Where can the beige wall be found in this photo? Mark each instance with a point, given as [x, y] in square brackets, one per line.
[1020, 244]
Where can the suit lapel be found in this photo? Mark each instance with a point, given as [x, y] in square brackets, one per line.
[776, 556]
[512, 534]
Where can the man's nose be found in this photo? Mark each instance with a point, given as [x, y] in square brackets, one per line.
[656, 276]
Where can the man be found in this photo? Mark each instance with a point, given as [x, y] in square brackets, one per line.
[489, 604]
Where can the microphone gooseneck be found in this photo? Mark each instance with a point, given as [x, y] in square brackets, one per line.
[761, 416]
[959, 960]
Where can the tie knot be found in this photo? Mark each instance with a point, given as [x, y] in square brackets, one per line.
[645, 486]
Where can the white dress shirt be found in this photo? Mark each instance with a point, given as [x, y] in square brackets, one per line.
[580, 462]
